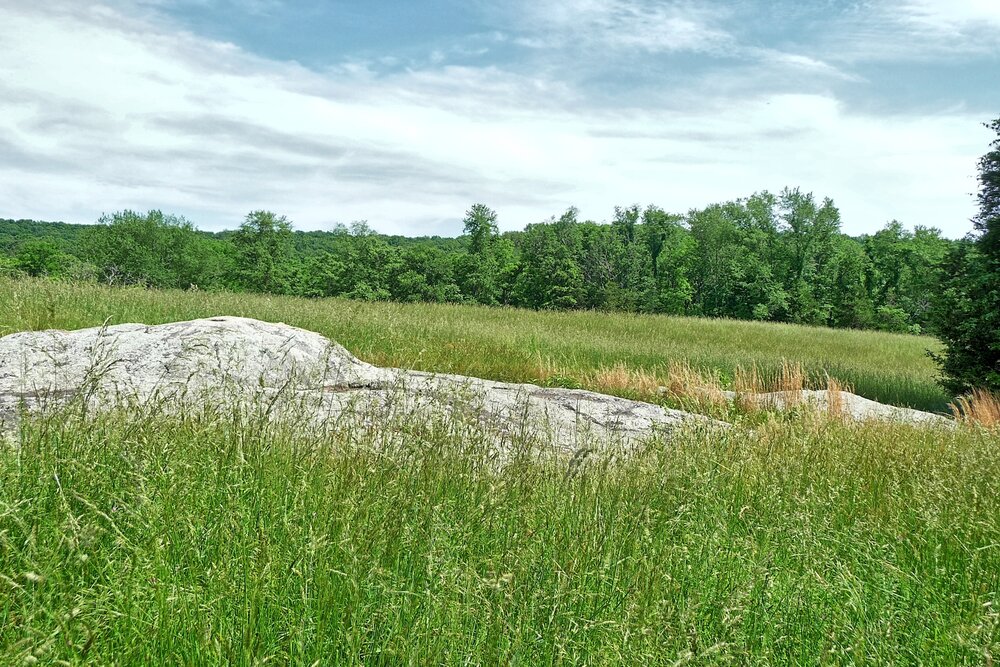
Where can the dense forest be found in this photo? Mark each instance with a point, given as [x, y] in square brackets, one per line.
[767, 257]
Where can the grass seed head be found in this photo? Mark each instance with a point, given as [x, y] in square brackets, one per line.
[980, 407]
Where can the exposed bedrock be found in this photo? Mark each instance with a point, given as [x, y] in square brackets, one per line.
[231, 359]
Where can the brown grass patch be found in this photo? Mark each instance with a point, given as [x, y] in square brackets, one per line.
[701, 391]
[750, 383]
[688, 383]
[835, 397]
[792, 380]
[622, 378]
[979, 406]
[680, 382]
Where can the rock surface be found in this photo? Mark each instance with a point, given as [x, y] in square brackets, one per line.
[230, 359]
[843, 403]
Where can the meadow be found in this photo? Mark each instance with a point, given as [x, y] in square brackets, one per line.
[220, 539]
[515, 345]
[208, 537]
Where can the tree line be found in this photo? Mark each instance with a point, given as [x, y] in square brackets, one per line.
[767, 257]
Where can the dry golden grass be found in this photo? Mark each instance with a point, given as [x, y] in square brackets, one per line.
[679, 382]
[704, 391]
[980, 407]
[792, 380]
[835, 397]
[748, 380]
[749, 383]
[697, 389]
[683, 380]
[545, 369]
[620, 377]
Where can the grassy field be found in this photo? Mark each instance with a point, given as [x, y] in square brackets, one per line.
[212, 539]
[514, 345]
[134, 538]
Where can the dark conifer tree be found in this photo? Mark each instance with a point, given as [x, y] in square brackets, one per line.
[969, 315]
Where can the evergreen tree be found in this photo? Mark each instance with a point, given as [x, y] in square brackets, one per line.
[969, 316]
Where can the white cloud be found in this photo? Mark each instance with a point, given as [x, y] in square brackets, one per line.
[951, 17]
[916, 31]
[794, 61]
[104, 111]
[579, 36]
[253, 7]
[620, 24]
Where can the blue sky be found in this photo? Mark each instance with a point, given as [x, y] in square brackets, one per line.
[406, 113]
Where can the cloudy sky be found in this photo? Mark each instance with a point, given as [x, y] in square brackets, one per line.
[405, 112]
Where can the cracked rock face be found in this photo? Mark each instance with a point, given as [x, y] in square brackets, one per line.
[230, 359]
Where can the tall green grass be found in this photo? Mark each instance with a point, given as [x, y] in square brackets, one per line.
[512, 345]
[208, 538]
[146, 536]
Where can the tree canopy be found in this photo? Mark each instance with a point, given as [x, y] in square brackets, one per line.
[776, 257]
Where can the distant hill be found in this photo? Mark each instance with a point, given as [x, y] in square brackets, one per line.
[307, 243]
[14, 232]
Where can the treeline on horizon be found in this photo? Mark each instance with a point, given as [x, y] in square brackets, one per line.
[768, 257]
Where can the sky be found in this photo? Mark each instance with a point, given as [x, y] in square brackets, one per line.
[404, 113]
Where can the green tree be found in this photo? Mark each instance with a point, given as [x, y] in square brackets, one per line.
[481, 267]
[674, 291]
[925, 273]
[760, 293]
[736, 268]
[658, 227]
[153, 249]
[969, 317]
[850, 301]
[598, 262]
[809, 234]
[41, 257]
[508, 267]
[263, 252]
[904, 274]
[7, 267]
[634, 285]
[669, 251]
[550, 273]
[717, 253]
[426, 274]
[371, 265]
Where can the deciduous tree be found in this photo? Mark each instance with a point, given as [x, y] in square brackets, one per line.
[263, 246]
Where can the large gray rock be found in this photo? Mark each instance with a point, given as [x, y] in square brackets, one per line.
[840, 404]
[229, 360]
[852, 406]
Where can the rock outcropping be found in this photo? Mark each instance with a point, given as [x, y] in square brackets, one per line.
[843, 403]
[231, 359]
